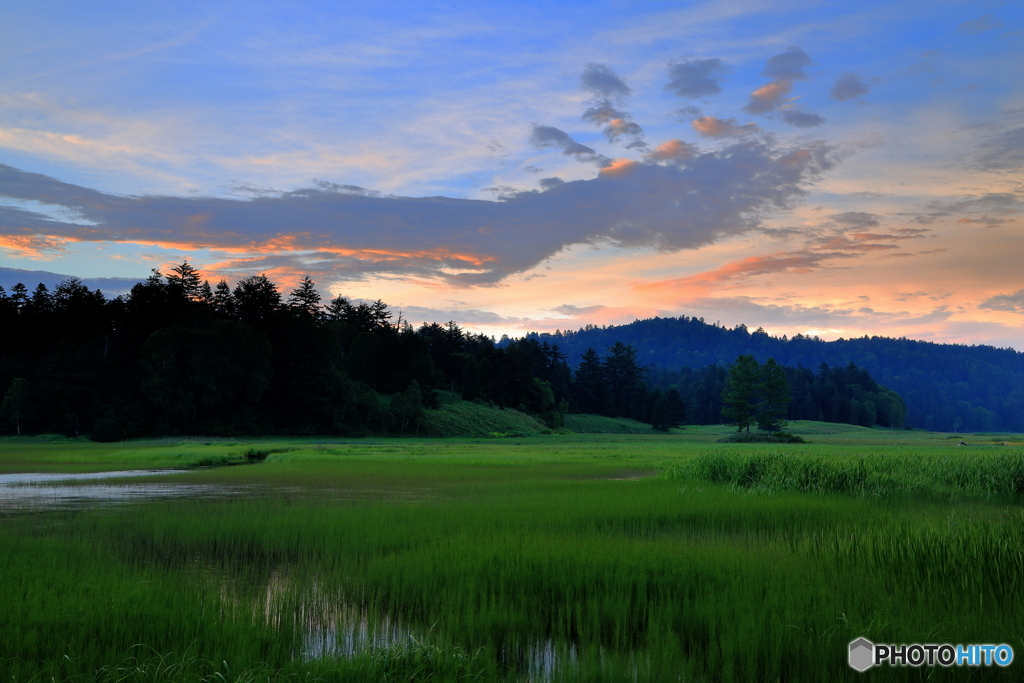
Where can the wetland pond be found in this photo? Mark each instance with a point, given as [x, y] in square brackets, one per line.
[332, 628]
[38, 491]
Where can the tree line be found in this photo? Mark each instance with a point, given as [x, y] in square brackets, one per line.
[846, 394]
[177, 355]
[944, 386]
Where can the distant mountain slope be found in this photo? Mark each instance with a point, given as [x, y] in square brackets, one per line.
[946, 387]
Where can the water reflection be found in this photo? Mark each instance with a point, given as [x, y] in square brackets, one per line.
[354, 631]
[44, 491]
[45, 477]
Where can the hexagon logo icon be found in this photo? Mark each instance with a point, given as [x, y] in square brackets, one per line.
[862, 654]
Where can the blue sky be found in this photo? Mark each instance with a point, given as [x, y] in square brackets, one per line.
[833, 168]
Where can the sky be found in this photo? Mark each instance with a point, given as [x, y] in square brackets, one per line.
[827, 168]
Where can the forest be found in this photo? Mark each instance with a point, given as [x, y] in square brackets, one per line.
[179, 356]
[945, 387]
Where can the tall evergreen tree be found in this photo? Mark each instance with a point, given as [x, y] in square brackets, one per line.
[590, 389]
[185, 280]
[340, 308]
[305, 298]
[740, 392]
[256, 298]
[41, 302]
[223, 300]
[19, 295]
[625, 379]
[775, 397]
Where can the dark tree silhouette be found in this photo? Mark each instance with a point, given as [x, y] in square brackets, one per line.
[305, 298]
[740, 395]
[15, 402]
[775, 397]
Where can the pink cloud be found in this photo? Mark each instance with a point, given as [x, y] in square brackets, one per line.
[711, 127]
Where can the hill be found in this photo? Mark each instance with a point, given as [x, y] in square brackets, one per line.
[946, 387]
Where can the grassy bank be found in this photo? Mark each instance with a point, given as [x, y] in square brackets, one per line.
[601, 557]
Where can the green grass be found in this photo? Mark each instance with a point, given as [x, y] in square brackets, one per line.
[598, 424]
[466, 419]
[612, 557]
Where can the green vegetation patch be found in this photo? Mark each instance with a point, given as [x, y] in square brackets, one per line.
[528, 559]
[989, 473]
[598, 424]
[762, 437]
[464, 418]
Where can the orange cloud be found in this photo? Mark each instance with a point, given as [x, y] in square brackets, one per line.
[768, 97]
[772, 91]
[618, 167]
[844, 243]
[32, 246]
[793, 262]
[291, 244]
[673, 150]
[711, 127]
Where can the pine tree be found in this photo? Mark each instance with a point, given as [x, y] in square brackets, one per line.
[381, 315]
[775, 397]
[590, 389]
[306, 298]
[41, 302]
[19, 295]
[206, 293]
[257, 298]
[625, 380]
[741, 392]
[340, 308]
[224, 300]
[185, 280]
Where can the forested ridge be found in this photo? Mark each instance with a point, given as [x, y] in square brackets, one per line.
[945, 387]
[179, 356]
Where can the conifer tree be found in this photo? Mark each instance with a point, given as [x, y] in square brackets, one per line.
[740, 392]
[206, 293]
[223, 299]
[340, 308]
[775, 397]
[306, 298]
[256, 298]
[590, 389]
[19, 295]
[625, 379]
[185, 280]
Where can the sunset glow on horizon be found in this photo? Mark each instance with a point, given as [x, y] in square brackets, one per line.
[831, 169]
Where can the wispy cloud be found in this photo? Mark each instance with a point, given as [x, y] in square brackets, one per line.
[695, 78]
[711, 127]
[783, 69]
[608, 91]
[780, 262]
[980, 25]
[1002, 152]
[801, 119]
[1013, 303]
[848, 87]
[549, 136]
